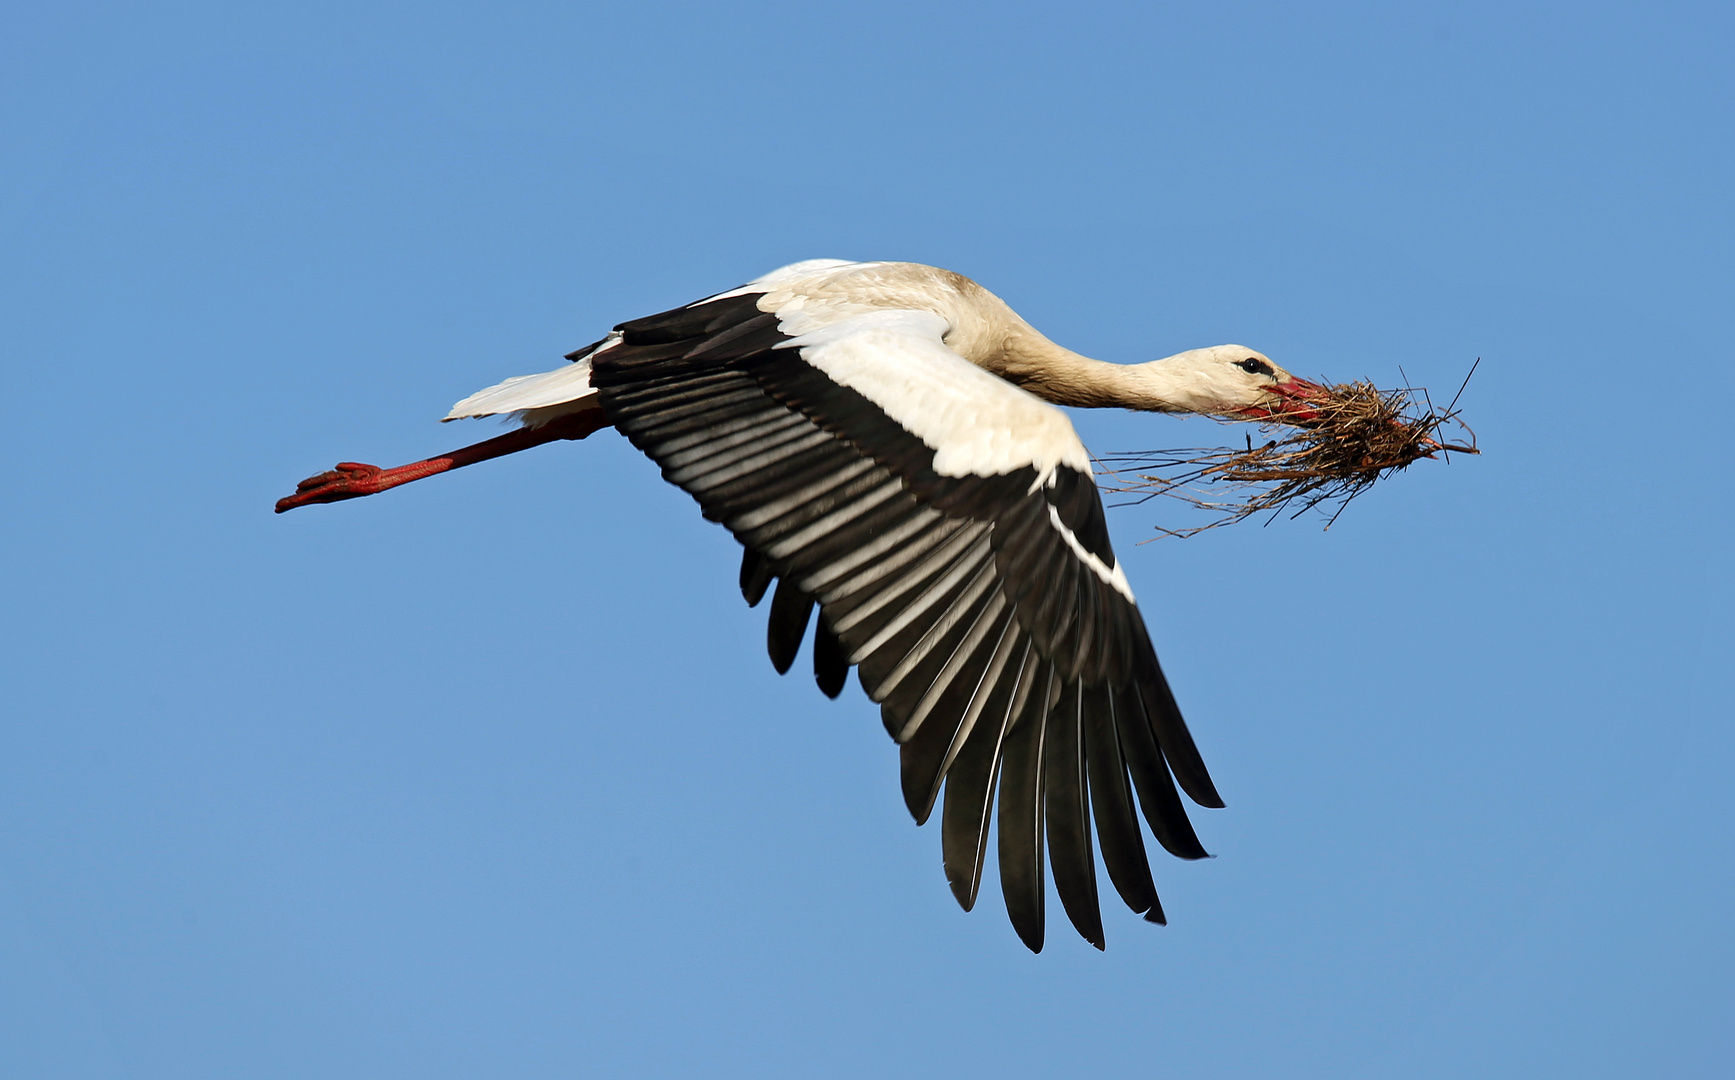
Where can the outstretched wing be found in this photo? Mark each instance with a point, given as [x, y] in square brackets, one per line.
[946, 526]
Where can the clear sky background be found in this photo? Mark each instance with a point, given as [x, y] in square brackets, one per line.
[490, 777]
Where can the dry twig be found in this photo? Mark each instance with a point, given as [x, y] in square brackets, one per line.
[1357, 434]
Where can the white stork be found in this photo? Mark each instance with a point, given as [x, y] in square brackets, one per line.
[882, 438]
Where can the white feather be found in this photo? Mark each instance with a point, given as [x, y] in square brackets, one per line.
[781, 275]
[976, 423]
[1116, 578]
[567, 385]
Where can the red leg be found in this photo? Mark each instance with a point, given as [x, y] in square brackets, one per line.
[352, 480]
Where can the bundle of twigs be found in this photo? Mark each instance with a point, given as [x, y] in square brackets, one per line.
[1348, 437]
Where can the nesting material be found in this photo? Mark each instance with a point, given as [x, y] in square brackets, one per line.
[1340, 441]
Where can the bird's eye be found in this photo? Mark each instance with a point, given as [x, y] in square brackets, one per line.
[1254, 367]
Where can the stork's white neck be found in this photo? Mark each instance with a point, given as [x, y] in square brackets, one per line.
[1064, 377]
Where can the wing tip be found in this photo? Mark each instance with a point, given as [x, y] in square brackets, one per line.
[965, 892]
[1215, 802]
[1032, 937]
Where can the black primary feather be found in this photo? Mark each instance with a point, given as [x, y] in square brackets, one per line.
[756, 576]
[1067, 800]
[790, 610]
[1117, 826]
[971, 779]
[925, 757]
[830, 662]
[1021, 775]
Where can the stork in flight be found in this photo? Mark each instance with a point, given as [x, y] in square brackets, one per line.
[882, 438]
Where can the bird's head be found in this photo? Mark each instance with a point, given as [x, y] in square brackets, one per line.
[1231, 381]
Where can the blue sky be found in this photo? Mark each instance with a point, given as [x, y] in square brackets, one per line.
[490, 776]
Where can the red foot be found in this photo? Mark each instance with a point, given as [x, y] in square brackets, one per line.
[350, 480]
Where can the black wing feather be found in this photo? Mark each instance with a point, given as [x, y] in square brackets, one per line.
[970, 780]
[1117, 827]
[1157, 796]
[756, 576]
[830, 662]
[1021, 802]
[924, 758]
[1067, 800]
[790, 610]
[963, 602]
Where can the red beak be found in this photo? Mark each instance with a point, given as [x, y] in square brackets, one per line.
[1293, 402]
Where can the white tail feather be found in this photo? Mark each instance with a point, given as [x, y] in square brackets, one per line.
[568, 385]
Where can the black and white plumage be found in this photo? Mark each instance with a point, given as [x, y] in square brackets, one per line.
[873, 435]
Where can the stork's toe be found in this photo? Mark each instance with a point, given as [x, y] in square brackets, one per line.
[350, 480]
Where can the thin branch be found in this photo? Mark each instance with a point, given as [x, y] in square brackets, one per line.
[1359, 435]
